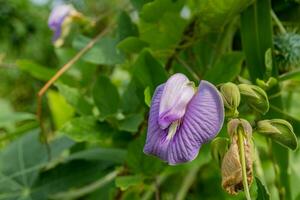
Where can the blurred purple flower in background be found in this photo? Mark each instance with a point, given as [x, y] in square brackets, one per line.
[56, 19]
[182, 118]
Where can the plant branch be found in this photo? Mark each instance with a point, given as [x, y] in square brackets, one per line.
[278, 23]
[63, 69]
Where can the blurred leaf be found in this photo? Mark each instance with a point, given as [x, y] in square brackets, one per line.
[87, 128]
[40, 72]
[256, 33]
[21, 161]
[8, 117]
[226, 69]
[138, 4]
[153, 11]
[148, 97]
[125, 27]
[106, 96]
[68, 177]
[100, 154]
[132, 45]
[139, 162]
[262, 193]
[61, 111]
[75, 98]
[131, 122]
[103, 52]
[130, 99]
[124, 182]
[149, 71]
[157, 34]
[216, 13]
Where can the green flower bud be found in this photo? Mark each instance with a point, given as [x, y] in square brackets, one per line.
[280, 131]
[231, 98]
[255, 97]
[219, 146]
[234, 125]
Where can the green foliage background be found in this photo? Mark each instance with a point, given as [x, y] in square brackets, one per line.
[95, 115]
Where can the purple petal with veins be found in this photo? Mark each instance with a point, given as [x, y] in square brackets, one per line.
[56, 19]
[180, 142]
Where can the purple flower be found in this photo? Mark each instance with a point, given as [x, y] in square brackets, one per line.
[182, 118]
[56, 19]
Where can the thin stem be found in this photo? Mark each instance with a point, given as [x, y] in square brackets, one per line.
[289, 75]
[187, 183]
[243, 162]
[64, 69]
[278, 23]
[87, 189]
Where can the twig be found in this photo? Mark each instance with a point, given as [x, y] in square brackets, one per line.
[159, 180]
[65, 68]
[278, 23]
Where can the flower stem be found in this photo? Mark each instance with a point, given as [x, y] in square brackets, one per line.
[243, 162]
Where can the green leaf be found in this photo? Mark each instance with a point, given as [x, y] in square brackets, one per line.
[106, 96]
[131, 102]
[262, 193]
[148, 71]
[139, 162]
[100, 154]
[153, 11]
[124, 182]
[21, 161]
[226, 69]
[61, 111]
[75, 98]
[132, 45]
[214, 14]
[256, 33]
[103, 52]
[131, 122]
[138, 4]
[126, 27]
[87, 128]
[148, 97]
[8, 117]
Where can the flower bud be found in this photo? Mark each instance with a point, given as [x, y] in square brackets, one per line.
[280, 131]
[219, 146]
[255, 97]
[234, 125]
[231, 98]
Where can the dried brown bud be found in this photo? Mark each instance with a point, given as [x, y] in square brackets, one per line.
[232, 180]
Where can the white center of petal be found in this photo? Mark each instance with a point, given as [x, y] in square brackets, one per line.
[178, 92]
[172, 129]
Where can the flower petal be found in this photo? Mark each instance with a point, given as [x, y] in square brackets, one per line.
[177, 93]
[57, 17]
[156, 143]
[202, 122]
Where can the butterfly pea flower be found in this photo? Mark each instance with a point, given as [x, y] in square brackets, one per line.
[59, 17]
[182, 118]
